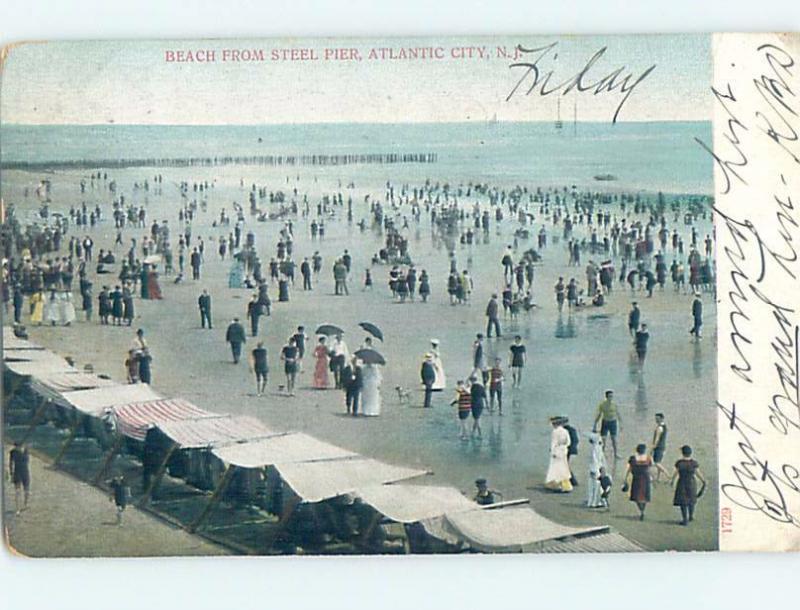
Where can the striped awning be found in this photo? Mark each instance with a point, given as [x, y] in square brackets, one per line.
[134, 419]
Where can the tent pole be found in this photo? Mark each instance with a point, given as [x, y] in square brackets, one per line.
[286, 514]
[373, 522]
[37, 415]
[112, 452]
[212, 502]
[155, 480]
[13, 388]
[73, 432]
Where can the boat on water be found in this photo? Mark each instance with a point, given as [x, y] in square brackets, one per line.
[605, 177]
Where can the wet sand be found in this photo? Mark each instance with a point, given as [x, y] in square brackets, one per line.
[563, 376]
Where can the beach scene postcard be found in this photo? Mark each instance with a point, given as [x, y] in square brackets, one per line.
[399, 296]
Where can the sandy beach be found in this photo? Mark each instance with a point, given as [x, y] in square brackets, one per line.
[564, 376]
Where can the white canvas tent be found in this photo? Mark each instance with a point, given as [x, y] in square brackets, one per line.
[412, 503]
[318, 481]
[95, 402]
[211, 431]
[281, 448]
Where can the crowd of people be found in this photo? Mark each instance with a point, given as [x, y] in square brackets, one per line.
[629, 233]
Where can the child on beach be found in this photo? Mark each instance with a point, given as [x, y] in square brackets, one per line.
[496, 386]
[464, 401]
[605, 487]
[120, 494]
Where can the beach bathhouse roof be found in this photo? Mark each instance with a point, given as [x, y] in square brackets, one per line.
[210, 431]
[280, 449]
[318, 481]
[412, 503]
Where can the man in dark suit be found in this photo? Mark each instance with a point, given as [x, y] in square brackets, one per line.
[204, 302]
[356, 385]
[195, 261]
[305, 270]
[697, 318]
[254, 309]
[428, 375]
[345, 379]
[235, 335]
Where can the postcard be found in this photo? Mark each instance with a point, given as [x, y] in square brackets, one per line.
[401, 295]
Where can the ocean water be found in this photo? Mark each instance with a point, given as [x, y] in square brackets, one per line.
[643, 156]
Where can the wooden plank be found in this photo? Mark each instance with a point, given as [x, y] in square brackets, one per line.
[284, 520]
[212, 502]
[73, 432]
[37, 415]
[109, 458]
[157, 476]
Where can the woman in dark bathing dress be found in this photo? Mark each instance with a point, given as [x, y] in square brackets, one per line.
[687, 471]
[637, 478]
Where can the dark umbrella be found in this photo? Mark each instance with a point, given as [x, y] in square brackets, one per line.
[372, 330]
[329, 329]
[370, 356]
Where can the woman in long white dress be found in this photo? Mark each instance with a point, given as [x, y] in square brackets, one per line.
[558, 473]
[597, 460]
[51, 308]
[440, 382]
[66, 308]
[371, 390]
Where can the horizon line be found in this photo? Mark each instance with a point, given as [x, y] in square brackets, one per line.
[317, 123]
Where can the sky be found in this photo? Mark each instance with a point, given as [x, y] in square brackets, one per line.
[131, 82]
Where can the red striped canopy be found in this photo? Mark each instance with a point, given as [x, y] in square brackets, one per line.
[135, 418]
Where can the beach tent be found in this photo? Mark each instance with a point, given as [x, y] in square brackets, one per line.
[133, 420]
[312, 469]
[192, 437]
[502, 530]
[46, 364]
[52, 386]
[414, 503]
[95, 401]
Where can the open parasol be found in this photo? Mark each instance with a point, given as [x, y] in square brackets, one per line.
[370, 356]
[372, 330]
[329, 329]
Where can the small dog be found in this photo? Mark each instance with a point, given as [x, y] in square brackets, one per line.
[403, 395]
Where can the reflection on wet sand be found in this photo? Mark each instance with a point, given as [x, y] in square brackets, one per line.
[565, 331]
